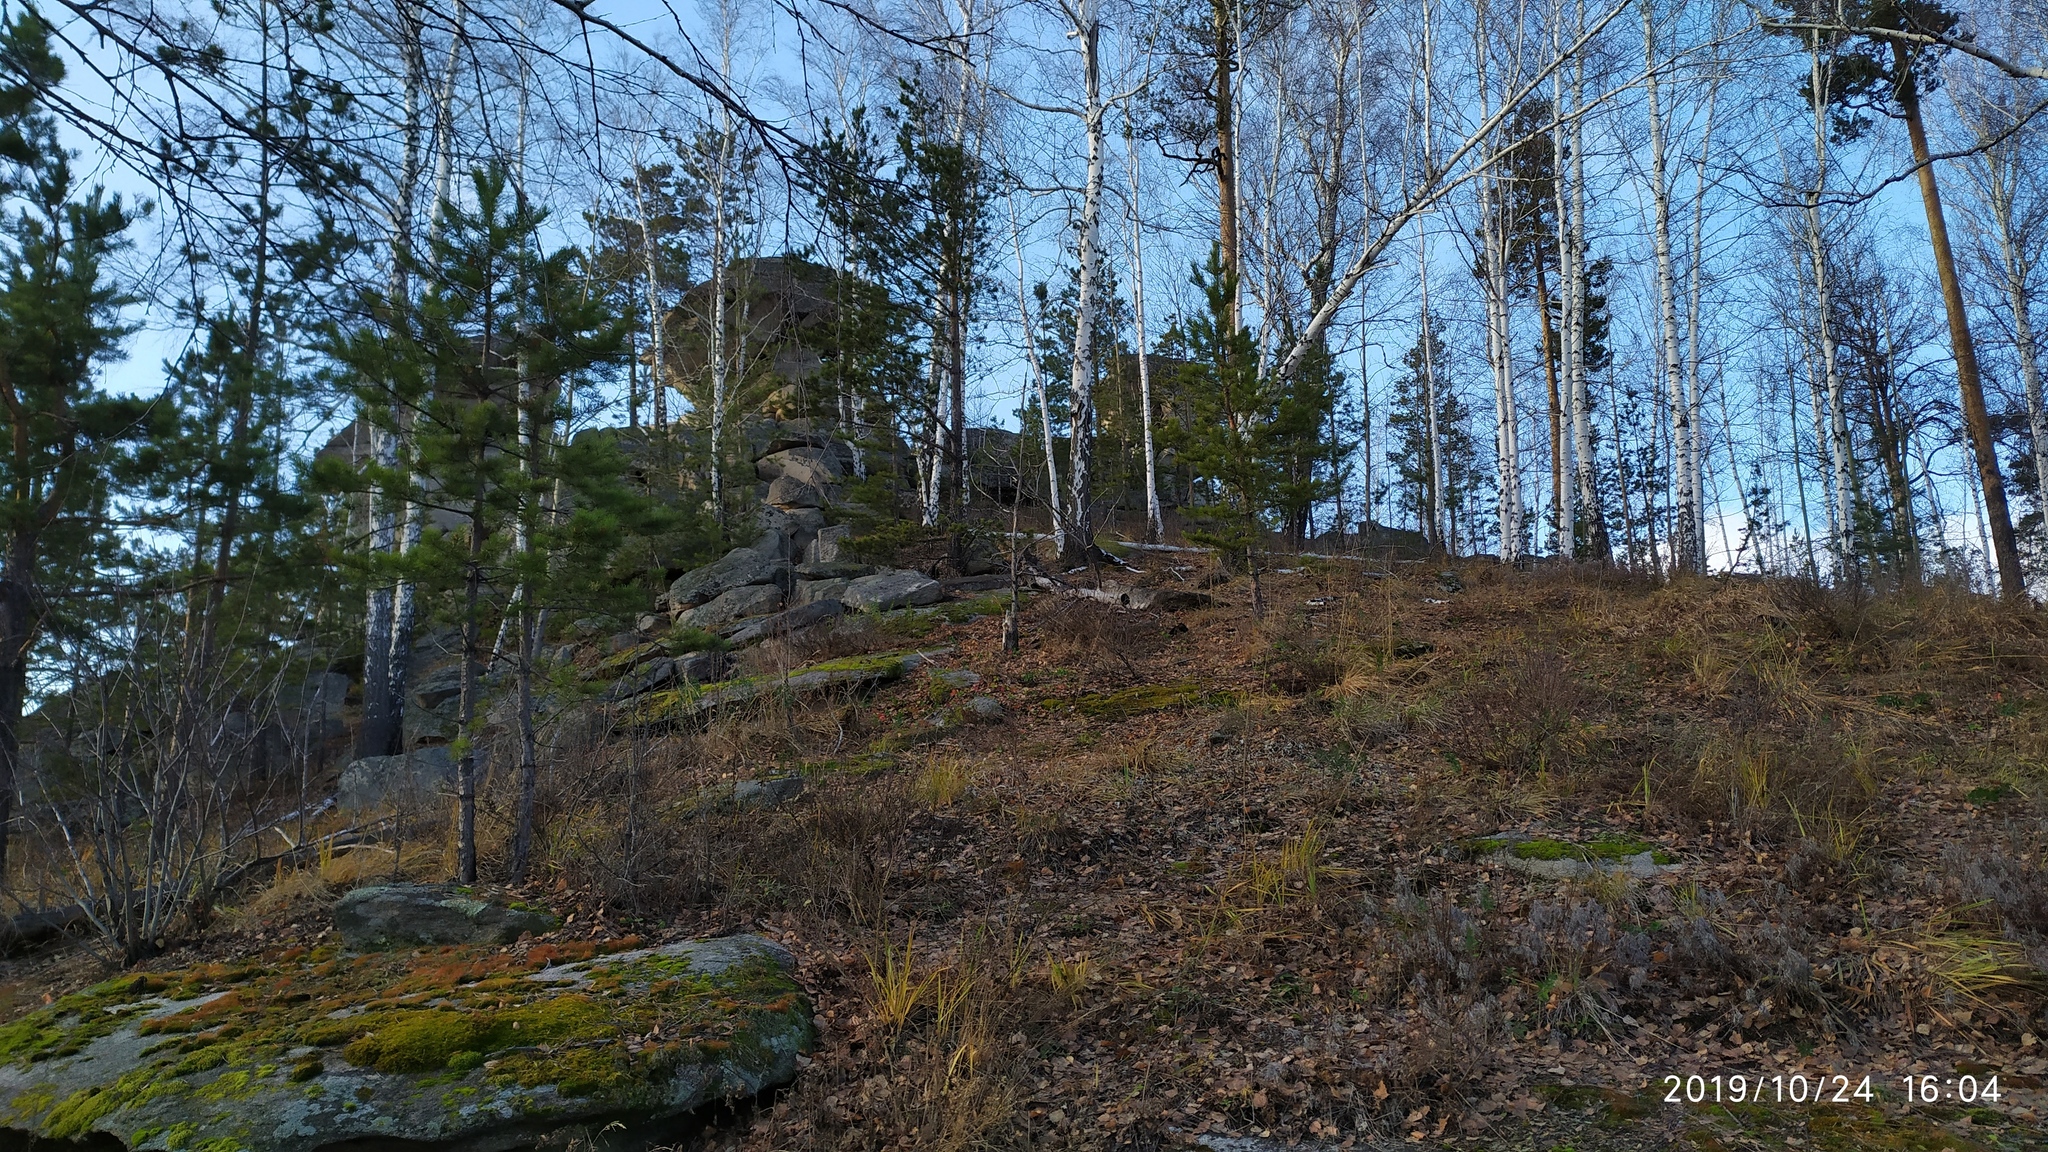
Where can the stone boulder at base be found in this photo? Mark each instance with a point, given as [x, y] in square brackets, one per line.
[738, 604]
[399, 781]
[739, 568]
[477, 1049]
[408, 915]
[889, 590]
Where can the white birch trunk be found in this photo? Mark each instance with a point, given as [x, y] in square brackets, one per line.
[1584, 462]
[1499, 329]
[1155, 525]
[1695, 271]
[1997, 184]
[1686, 549]
[1841, 518]
[1080, 524]
[1566, 511]
[405, 599]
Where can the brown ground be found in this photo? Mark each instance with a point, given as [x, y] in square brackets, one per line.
[1210, 879]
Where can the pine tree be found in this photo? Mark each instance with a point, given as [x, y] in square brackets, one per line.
[498, 332]
[1234, 440]
[1464, 474]
[58, 322]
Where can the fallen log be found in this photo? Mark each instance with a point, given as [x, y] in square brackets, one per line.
[1126, 596]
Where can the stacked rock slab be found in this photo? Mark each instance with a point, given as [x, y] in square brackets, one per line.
[795, 562]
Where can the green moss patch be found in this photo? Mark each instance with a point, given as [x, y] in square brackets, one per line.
[1609, 849]
[1139, 700]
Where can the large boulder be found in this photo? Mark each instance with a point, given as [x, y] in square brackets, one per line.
[739, 568]
[407, 915]
[464, 1050]
[702, 667]
[405, 781]
[817, 467]
[315, 708]
[889, 590]
[738, 604]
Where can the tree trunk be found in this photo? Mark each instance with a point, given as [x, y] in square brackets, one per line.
[1834, 433]
[1694, 389]
[374, 734]
[1563, 434]
[1222, 22]
[1560, 525]
[1584, 461]
[472, 627]
[405, 598]
[20, 619]
[2012, 579]
[1080, 526]
[1155, 526]
[1686, 550]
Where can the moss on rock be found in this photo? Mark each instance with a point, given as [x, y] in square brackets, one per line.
[549, 1032]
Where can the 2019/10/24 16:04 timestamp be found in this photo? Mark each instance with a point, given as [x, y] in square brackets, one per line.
[1800, 1088]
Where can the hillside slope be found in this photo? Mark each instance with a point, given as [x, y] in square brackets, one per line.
[1476, 858]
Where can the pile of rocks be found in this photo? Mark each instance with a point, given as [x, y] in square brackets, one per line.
[794, 566]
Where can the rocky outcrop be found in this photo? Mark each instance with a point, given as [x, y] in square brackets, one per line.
[739, 568]
[473, 1049]
[405, 781]
[408, 915]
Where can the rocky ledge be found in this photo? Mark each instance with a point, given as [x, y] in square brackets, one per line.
[460, 1049]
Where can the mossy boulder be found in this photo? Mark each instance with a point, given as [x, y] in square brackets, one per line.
[687, 704]
[407, 915]
[1552, 859]
[476, 1049]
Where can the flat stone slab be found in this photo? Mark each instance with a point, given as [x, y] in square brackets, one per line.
[408, 915]
[783, 623]
[885, 591]
[462, 1049]
[853, 673]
